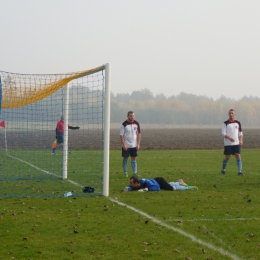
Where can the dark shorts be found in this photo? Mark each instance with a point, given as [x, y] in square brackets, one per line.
[130, 151]
[231, 149]
[60, 138]
[164, 185]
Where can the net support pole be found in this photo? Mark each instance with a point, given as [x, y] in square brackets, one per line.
[1, 96]
[106, 132]
[6, 143]
[66, 131]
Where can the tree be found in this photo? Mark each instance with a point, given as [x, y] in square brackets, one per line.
[123, 98]
[141, 95]
[191, 99]
[224, 100]
[160, 97]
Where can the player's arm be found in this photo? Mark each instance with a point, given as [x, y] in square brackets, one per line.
[224, 130]
[73, 127]
[240, 138]
[138, 141]
[138, 137]
[122, 140]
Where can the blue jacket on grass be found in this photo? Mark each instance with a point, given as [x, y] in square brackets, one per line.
[152, 185]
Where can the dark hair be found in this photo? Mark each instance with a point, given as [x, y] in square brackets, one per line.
[135, 179]
[130, 112]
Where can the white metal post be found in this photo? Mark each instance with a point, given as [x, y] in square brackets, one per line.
[5, 143]
[106, 131]
[65, 144]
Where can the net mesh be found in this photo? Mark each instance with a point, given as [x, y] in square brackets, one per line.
[31, 107]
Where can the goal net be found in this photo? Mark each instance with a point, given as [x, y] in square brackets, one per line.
[38, 160]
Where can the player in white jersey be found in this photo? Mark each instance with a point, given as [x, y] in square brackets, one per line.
[233, 140]
[130, 137]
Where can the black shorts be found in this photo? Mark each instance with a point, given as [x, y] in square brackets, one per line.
[130, 151]
[60, 138]
[231, 149]
[164, 185]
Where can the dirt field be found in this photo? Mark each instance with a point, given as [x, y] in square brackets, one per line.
[185, 139]
[160, 138]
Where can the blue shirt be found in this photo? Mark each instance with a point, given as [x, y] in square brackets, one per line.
[152, 185]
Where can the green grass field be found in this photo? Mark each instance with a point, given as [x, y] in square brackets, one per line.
[37, 173]
[219, 221]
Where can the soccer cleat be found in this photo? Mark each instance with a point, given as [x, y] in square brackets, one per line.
[240, 174]
[193, 188]
[125, 174]
[182, 182]
[135, 174]
[52, 153]
[223, 172]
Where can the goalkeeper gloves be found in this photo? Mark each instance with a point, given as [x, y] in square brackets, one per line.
[143, 190]
[74, 127]
[126, 189]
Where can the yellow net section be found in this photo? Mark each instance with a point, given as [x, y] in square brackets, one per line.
[23, 89]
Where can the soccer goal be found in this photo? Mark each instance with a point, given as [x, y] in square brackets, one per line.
[36, 160]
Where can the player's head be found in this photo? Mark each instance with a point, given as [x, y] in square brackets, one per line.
[131, 116]
[62, 118]
[231, 113]
[134, 182]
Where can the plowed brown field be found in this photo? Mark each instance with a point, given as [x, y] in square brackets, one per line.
[186, 139]
[157, 138]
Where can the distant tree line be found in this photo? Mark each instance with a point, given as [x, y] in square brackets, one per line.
[183, 109]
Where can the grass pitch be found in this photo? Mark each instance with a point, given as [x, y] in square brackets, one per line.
[219, 221]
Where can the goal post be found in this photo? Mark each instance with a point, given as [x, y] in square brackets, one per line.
[66, 122]
[31, 106]
[106, 133]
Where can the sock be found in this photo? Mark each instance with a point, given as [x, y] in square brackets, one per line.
[239, 164]
[192, 188]
[125, 164]
[134, 166]
[224, 164]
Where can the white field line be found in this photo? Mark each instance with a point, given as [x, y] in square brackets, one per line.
[155, 220]
[177, 230]
[50, 173]
[215, 237]
[211, 219]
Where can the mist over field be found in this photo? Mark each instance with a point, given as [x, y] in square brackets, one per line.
[183, 110]
[156, 111]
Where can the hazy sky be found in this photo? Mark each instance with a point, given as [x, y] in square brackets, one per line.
[202, 47]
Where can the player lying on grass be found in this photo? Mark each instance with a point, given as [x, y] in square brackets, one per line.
[156, 184]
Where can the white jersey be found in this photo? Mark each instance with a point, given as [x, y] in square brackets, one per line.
[130, 130]
[232, 129]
